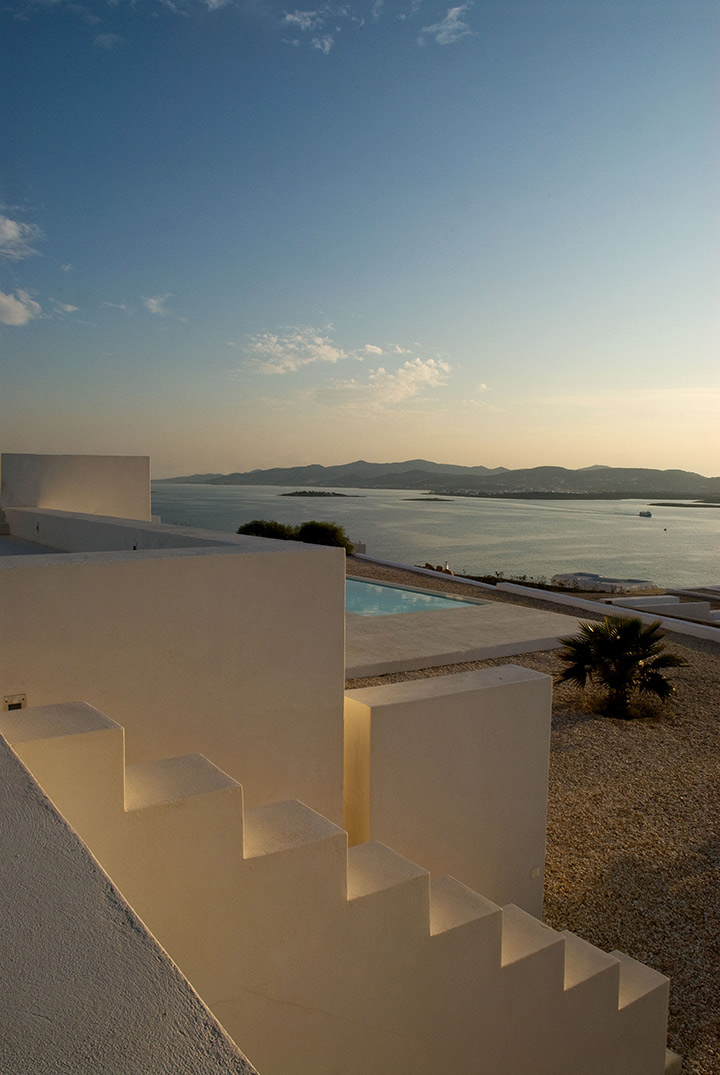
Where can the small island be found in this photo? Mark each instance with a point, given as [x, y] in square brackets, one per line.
[320, 492]
[431, 499]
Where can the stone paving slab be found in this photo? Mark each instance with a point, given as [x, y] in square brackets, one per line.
[379, 645]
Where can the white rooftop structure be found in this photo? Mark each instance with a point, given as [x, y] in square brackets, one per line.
[212, 860]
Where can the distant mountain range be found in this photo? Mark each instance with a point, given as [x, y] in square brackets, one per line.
[599, 482]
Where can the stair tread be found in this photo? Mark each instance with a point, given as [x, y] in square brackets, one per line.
[453, 904]
[167, 780]
[53, 722]
[281, 826]
[523, 935]
[373, 867]
[584, 961]
[636, 980]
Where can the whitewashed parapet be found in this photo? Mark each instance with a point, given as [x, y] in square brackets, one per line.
[95, 484]
[452, 771]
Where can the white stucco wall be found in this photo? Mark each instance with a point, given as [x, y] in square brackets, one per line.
[85, 989]
[452, 772]
[96, 484]
[238, 655]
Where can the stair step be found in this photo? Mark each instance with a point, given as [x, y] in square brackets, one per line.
[77, 755]
[374, 867]
[453, 904]
[523, 935]
[583, 962]
[156, 783]
[52, 722]
[636, 980]
[281, 826]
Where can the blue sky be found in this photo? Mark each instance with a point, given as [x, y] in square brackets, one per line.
[239, 235]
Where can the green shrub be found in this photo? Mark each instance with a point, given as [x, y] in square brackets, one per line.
[269, 528]
[312, 533]
[315, 533]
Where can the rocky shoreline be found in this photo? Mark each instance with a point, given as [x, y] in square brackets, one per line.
[633, 838]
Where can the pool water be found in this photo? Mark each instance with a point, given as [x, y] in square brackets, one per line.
[376, 599]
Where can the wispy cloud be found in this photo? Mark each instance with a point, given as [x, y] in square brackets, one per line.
[448, 30]
[62, 308]
[288, 352]
[108, 41]
[306, 20]
[324, 43]
[156, 304]
[318, 28]
[409, 380]
[18, 309]
[17, 238]
[118, 306]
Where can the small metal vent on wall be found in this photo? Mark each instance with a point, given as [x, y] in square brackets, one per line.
[14, 701]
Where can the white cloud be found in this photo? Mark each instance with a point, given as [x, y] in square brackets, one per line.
[448, 30]
[324, 43]
[66, 267]
[118, 306]
[108, 41]
[290, 352]
[16, 239]
[371, 349]
[413, 376]
[63, 307]
[156, 304]
[306, 20]
[18, 309]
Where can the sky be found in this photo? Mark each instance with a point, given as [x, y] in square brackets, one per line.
[237, 234]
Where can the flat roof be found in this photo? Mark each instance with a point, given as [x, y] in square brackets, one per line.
[15, 546]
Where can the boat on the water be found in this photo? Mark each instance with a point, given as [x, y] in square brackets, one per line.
[645, 514]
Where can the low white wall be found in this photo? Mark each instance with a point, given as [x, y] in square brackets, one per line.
[670, 623]
[94, 484]
[73, 532]
[238, 655]
[85, 988]
[452, 771]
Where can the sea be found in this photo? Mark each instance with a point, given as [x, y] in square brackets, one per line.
[679, 546]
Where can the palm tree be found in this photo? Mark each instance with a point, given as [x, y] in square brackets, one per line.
[623, 655]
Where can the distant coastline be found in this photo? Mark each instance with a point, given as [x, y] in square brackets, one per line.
[319, 492]
[448, 480]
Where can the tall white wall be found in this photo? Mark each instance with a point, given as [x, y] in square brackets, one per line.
[452, 772]
[235, 654]
[94, 484]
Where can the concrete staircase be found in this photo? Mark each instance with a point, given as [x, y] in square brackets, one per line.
[324, 960]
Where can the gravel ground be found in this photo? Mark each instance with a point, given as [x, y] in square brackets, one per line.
[633, 840]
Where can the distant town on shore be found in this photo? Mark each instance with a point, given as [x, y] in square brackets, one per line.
[446, 479]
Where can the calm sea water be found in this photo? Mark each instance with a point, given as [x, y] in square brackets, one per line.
[676, 547]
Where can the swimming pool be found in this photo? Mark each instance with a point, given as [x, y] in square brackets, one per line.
[377, 599]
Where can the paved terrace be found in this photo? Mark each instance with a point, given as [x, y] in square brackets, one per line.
[379, 645]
